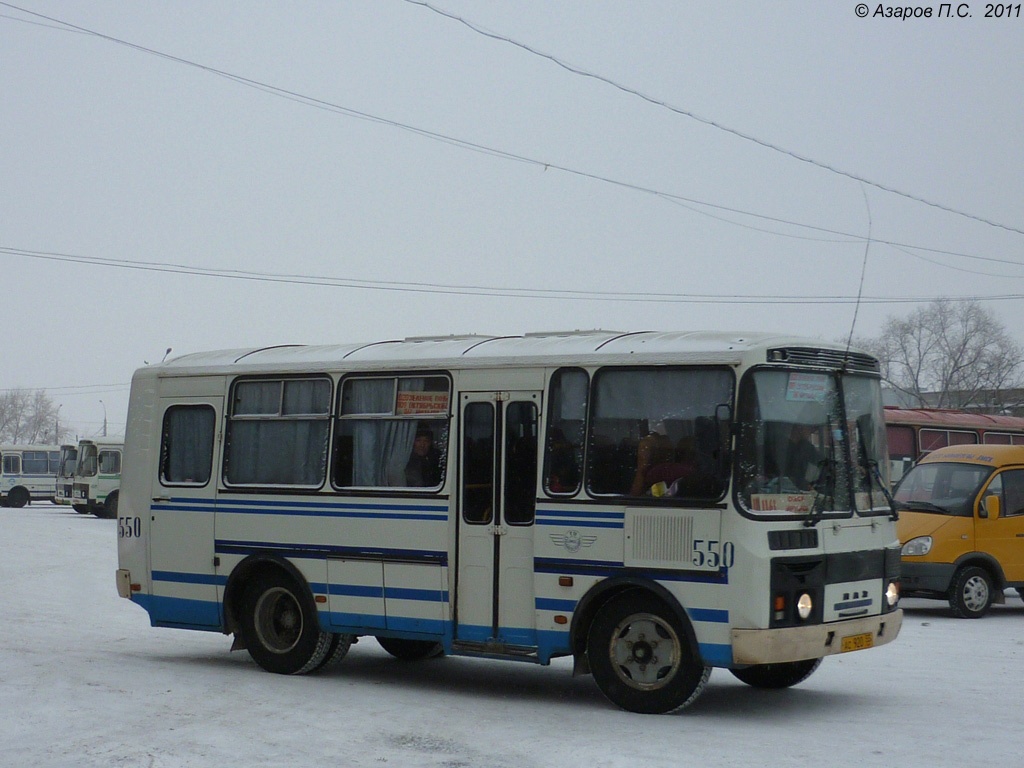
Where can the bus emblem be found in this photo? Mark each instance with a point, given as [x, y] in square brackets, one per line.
[572, 541]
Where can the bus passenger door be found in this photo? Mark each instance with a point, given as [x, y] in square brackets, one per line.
[186, 588]
[497, 501]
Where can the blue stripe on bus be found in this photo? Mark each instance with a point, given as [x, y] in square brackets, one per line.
[224, 546]
[716, 654]
[189, 578]
[367, 512]
[594, 514]
[708, 614]
[279, 506]
[553, 604]
[179, 612]
[606, 569]
[580, 523]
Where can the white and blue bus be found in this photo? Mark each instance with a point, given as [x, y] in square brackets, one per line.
[651, 504]
[28, 473]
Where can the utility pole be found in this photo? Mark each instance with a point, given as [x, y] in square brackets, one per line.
[104, 418]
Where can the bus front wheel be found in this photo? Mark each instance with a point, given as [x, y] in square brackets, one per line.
[641, 658]
[280, 626]
[784, 675]
[970, 594]
[18, 497]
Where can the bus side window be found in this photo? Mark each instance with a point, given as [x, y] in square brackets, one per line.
[563, 454]
[186, 445]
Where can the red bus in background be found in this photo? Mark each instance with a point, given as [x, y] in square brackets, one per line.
[915, 432]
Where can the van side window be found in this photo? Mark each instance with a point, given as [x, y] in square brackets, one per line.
[1013, 492]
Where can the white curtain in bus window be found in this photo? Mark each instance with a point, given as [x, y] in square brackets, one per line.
[393, 432]
[187, 445]
[277, 433]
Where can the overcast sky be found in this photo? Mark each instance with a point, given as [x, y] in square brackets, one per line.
[468, 181]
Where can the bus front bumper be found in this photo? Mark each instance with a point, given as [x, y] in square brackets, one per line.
[776, 646]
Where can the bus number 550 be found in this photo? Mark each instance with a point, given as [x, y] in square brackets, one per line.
[129, 527]
[709, 553]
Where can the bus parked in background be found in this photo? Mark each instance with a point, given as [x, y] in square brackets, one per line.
[651, 504]
[98, 476]
[66, 474]
[914, 432]
[27, 473]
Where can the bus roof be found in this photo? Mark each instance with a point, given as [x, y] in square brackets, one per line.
[471, 351]
[992, 455]
[942, 417]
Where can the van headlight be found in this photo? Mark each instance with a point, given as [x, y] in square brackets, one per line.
[922, 545]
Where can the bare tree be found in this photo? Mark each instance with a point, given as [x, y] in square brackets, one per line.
[29, 416]
[950, 354]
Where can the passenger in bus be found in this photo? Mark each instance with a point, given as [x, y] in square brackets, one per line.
[801, 462]
[680, 474]
[655, 448]
[423, 470]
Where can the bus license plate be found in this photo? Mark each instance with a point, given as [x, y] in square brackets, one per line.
[857, 642]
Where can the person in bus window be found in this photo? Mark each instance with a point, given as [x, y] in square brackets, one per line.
[656, 448]
[801, 461]
[423, 470]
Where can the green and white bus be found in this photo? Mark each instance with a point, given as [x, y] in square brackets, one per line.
[28, 473]
[98, 476]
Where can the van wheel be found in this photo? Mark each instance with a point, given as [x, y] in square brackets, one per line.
[783, 675]
[18, 497]
[641, 658]
[411, 650]
[970, 594]
[280, 626]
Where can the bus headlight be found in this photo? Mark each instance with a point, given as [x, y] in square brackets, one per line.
[922, 545]
[804, 606]
[892, 594]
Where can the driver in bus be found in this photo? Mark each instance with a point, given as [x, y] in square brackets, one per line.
[802, 457]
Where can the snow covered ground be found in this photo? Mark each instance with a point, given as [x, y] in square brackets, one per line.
[85, 681]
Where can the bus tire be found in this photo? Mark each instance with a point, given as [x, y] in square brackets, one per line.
[18, 497]
[82, 509]
[641, 658]
[411, 650]
[784, 675]
[280, 626]
[109, 509]
[337, 649]
[970, 594]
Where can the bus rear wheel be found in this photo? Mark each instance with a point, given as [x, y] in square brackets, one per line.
[783, 675]
[641, 658]
[280, 626]
[109, 509]
[411, 650]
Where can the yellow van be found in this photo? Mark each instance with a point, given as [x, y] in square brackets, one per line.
[962, 526]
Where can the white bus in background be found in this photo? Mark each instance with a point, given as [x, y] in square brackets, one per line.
[632, 500]
[98, 476]
[28, 473]
[66, 474]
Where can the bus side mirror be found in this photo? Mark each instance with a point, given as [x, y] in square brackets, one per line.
[989, 507]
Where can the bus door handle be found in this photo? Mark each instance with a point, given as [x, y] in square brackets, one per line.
[161, 498]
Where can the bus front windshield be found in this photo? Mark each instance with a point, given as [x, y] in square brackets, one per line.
[87, 461]
[811, 443]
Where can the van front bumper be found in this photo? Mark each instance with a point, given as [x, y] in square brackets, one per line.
[925, 578]
[777, 646]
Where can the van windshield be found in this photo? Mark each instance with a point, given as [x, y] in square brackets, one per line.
[942, 488]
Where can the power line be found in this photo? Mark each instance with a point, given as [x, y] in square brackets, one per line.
[707, 121]
[482, 290]
[494, 152]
